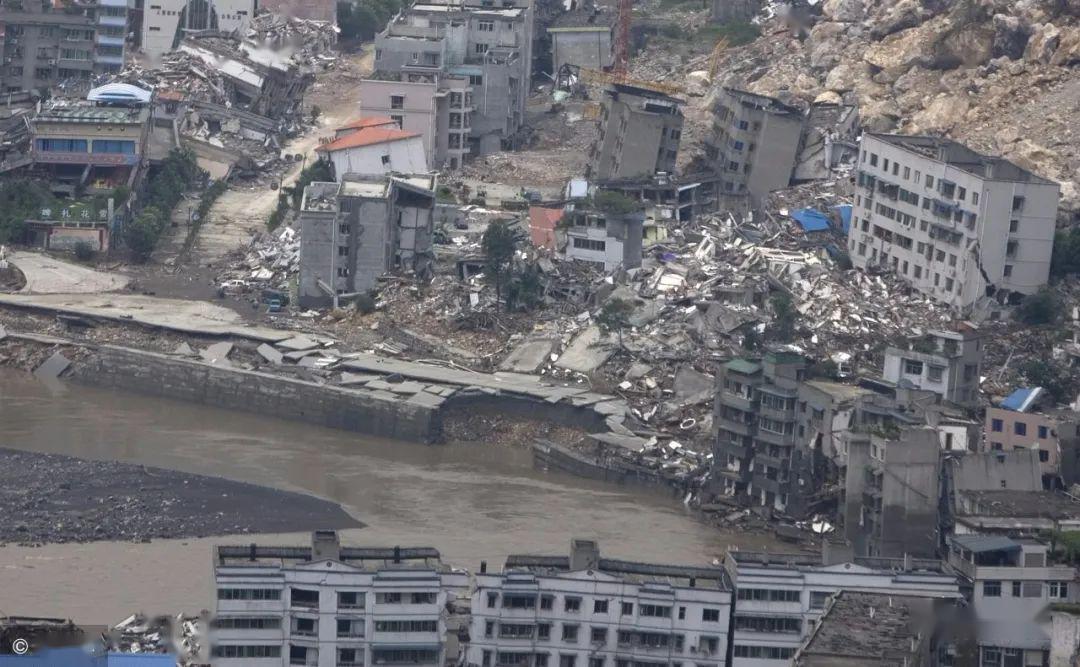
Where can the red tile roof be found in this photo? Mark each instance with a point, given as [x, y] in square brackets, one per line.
[542, 222]
[369, 136]
[368, 121]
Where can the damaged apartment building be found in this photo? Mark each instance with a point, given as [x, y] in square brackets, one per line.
[46, 44]
[956, 225]
[166, 22]
[360, 229]
[456, 73]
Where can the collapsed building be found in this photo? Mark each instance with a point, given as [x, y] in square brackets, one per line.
[640, 131]
[355, 231]
[970, 230]
[478, 52]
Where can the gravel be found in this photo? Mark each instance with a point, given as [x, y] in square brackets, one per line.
[50, 498]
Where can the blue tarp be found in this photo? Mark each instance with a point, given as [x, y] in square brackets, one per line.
[1021, 399]
[845, 216]
[80, 657]
[811, 220]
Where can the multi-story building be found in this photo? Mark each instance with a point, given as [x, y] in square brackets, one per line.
[81, 145]
[754, 142]
[947, 363]
[166, 22]
[955, 224]
[873, 630]
[488, 49]
[329, 606]
[582, 38]
[608, 239]
[439, 108]
[374, 145]
[357, 230]
[1011, 583]
[1021, 422]
[639, 137]
[780, 598]
[588, 611]
[45, 44]
[755, 423]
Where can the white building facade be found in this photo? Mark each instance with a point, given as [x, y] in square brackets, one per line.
[585, 611]
[166, 22]
[328, 606]
[781, 597]
[955, 224]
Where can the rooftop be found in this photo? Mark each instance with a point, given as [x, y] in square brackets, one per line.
[876, 629]
[961, 157]
[87, 113]
[984, 543]
[1022, 400]
[225, 555]
[743, 366]
[367, 121]
[582, 19]
[763, 102]
[1016, 503]
[837, 390]
[367, 136]
[676, 575]
[768, 559]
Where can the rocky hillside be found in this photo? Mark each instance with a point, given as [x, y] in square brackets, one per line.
[1000, 75]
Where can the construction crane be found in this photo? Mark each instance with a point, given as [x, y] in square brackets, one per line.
[714, 58]
[621, 63]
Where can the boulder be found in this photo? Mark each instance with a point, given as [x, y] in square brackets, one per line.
[846, 75]
[942, 114]
[845, 11]
[901, 16]
[1043, 43]
[829, 97]
[1011, 36]
[1068, 50]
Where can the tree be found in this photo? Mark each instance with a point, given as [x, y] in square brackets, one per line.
[499, 244]
[1066, 257]
[1039, 308]
[141, 233]
[1056, 379]
[614, 317]
[525, 289]
[782, 327]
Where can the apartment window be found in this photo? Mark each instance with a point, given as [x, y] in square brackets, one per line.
[567, 660]
[249, 594]
[343, 251]
[547, 601]
[540, 660]
[1032, 589]
[1059, 589]
[492, 599]
[303, 597]
[917, 272]
[305, 626]
[862, 249]
[350, 627]
[654, 610]
[350, 656]
[772, 624]
[961, 192]
[596, 662]
[768, 595]
[253, 651]
[738, 145]
[489, 628]
[710, 615]
[929, 181]
[873, 159]
[476, 80]
[397, 101]
[997, 426]
[378, 54]
[1020, 428]
[1017, 203]
[992, 589]
[975, 198]
[996, 446]
[247, 623]
[1044, 432]
[385, 160]
[1016, 591]
[913, 367]
[600, 606]
[628, 609]
[948, 284]
[569, 633]
[486, 26]
[480, 48]
[1044, 456]
[1007, 272]
[885, 165]
[572, 604]
[400, 120]
[896, 168]
[598, 635]
[590, 244]
[62, 145]
[519, 601]
[543, 631]
[743, 125]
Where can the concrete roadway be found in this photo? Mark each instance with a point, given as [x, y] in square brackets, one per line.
[48, 275]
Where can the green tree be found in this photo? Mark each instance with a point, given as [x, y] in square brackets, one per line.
[141, 233]
[1039, 308]
[525, 289]
[614, 317]
[1065, 260]
[1056, 379]
[782, 327]
[499, 243]
[21, 199]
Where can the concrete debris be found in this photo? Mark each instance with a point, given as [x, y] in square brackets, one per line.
[268, 262]
[184, 350]
[217, 354]
[270, 354]
[53, 367]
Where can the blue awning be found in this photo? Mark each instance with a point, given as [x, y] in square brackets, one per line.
[1021, 400]
[811, 220]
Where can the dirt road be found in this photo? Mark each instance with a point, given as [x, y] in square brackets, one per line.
[48, 275]
[243, 210]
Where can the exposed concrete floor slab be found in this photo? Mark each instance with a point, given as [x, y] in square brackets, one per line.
[48, 275]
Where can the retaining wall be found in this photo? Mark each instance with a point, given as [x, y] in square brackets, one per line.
[373, 413]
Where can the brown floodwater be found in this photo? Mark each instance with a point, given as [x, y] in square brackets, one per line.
[472, 502]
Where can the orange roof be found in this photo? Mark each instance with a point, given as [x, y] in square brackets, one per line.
[368, 121]
[542, 223]
[368, 136]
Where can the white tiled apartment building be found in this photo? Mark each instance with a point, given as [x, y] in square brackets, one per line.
[955, 224]
[331, 606]
[587, 611]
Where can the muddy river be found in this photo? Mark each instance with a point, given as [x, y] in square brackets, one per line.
[472, 502]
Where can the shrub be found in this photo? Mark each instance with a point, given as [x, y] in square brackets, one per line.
[1039, 308]
[84, 252]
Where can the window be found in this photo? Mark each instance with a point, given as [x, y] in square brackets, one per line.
[343, 251]
[768, 595]
[1020, 428]
[247, 623]
[412, 626]
[935, 373]
[485, 26]
[62, 145]
[1044, 433]
[476, 80]
[122, 147]
[492, 598]
[543, 631]
[489, 628]
[1017, 203]
[627, 609]
[1059, 589]
[547, 601]
[572, 604]
[569, 633]
[929, 181]
[1014, 225]
[763, 652]
[397, 101]
[519, 601]
[590, 244]
[566, 660]
[738, 145]
[304, 626]
[682, 613]
[1008, 270]
[481, 48]
[1044, 456]
[515, 631]
[1033, 589]
[385, 160]
[780, 624]
[599, 607]
[596, 662]
[348, 627]
[256, 651]
[710, 615]
[654, 610]
[403, 656]
[907, 173]
[992, 589]
[997, 426]
[303, 597]
[873, 159]
[818, 598]
[348, 656]
[598, 635]
[541, 659]
[249, 594]
[913, 367]
[1016, 589]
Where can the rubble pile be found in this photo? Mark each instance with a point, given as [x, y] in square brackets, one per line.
[183, 636]
[268, 262]
[306, 41]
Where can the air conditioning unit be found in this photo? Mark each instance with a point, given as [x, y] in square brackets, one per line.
[52, 62]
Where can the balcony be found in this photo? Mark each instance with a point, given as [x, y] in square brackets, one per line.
[738, 401]
[779, 414]
[736, 427]
[783, 439]
[110, 41]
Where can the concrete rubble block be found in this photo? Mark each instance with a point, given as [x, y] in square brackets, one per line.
[270, 354]
[356, 378]
[587, 352]
[53, 367]
[184, 350]
[296, 356]
[298, 343]
[217, 354]
[407, 387]
[426, 400]
[529, 355]
[689, 382]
